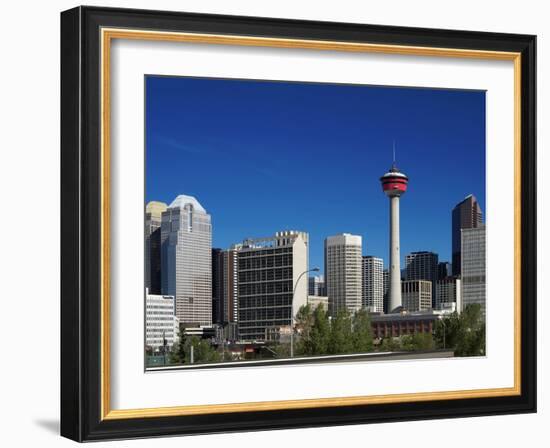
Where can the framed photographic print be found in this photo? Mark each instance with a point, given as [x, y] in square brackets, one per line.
[275, 224]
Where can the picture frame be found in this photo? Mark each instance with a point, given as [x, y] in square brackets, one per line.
[86, 210]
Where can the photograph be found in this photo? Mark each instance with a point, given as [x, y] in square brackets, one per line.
[304, 222]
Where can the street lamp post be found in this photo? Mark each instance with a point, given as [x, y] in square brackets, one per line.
[444, 331]
[292, 311]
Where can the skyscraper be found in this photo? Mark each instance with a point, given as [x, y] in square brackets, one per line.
[466, 215]
[422, 266]
[417, 295]
[373, 284]
[186, 248]
[394, 184]
[344, 279]
[217, 286]
[268, 271]
[153, 213]
[317, 285]
[449, 293]
[473, 266]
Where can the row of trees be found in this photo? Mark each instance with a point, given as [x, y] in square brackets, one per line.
[347, 333]
[202, 351]
[465, 332]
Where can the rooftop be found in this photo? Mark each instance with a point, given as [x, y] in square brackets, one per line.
[182, 200]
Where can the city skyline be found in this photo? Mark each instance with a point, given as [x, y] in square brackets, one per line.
[318, 167]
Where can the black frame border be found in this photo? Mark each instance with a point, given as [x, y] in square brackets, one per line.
[81, 224]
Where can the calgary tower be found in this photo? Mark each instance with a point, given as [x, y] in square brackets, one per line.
[394, 184]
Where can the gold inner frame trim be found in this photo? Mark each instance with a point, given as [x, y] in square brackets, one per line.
[107, 35]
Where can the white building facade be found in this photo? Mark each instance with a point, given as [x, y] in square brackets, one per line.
[343, 272]
[161, 323]
[186, 258]
[373, 284]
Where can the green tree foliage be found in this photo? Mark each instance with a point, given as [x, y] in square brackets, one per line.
[389, 344]
[203, 352]
[319, 337]
[362, 332]
[344, 334]
[417, 341]
[465, 333]
[341, 335]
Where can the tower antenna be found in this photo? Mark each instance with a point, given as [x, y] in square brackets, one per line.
[393, 164]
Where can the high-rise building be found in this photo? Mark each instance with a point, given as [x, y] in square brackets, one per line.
[153, 216]
[417, 295]
[394, 185]
[373, 284]
[466, 215]
[317, 285]
[161, 323]
[224, 286]
[217, 286]
[344, 279]
[186, 238]
[473, 267]
[422, 266]
[444, 270]
[268, 271]
[449, 294]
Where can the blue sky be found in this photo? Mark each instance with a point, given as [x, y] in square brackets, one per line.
[263, 156]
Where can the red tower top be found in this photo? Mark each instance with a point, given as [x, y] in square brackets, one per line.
[394, 182]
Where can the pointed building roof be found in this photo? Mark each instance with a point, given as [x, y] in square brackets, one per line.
[182, 200]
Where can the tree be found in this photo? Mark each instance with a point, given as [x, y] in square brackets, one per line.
[203, 352]
[389, 344]
[177, 355]
[465, 333]
[319, 336]
[304, 324]
[362, 332]
[340, 341]
[417, 341]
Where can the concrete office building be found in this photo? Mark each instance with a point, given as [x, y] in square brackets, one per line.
[161, 323]
[317, 285]
[373, 284]
[315, 301]
[394, 185]
[153, 216]
[268, 271]
[186, 236]
[473, 267]
[449, 294]
[417, 295]
[343, 272]
[466, 215]
[423, 266]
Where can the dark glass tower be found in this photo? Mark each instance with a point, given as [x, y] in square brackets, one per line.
[466, 215]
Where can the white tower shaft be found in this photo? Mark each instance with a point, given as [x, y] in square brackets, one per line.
[395, 264]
